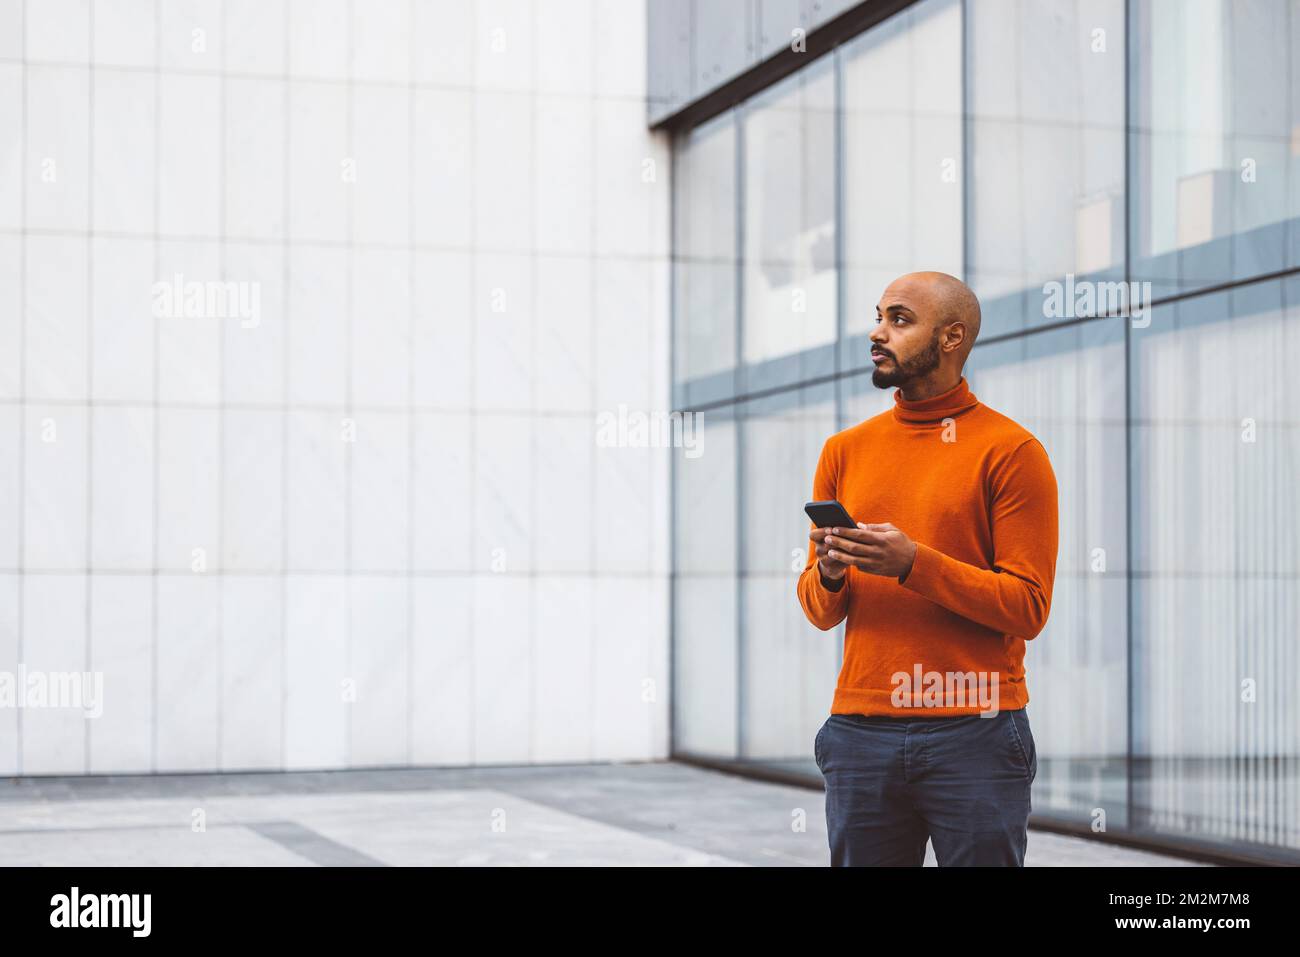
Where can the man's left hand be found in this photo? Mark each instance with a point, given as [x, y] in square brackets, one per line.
[878, 548]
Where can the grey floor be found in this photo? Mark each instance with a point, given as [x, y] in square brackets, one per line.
[665, 814]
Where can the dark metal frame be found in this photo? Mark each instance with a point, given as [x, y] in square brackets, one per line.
[819, 42]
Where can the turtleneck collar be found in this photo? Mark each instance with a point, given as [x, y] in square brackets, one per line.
[955, 401]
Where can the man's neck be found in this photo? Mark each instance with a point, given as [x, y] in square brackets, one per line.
[930, 386]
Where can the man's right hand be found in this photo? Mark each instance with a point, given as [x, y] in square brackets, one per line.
[829, 567]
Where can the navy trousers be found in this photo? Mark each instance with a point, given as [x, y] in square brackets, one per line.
[893, 782]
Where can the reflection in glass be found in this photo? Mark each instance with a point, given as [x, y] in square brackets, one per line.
[1216, 147]
[705, 263]
[1066, 386]
[1174, 438]
[788, 670]
[1046, 94]
[789, 216]
[902, 160]
[705, 596]
[1216, 526]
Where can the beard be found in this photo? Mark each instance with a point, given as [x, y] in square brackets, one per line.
[901, 372]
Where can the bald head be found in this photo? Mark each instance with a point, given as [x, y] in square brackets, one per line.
[927, 323]
[948, 299]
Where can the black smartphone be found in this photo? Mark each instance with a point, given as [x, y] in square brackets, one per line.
[829, 515]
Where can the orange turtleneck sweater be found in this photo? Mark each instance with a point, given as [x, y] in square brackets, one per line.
[976, 493]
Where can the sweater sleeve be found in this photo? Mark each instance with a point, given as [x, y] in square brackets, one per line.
[824, 608]
[1016, 595]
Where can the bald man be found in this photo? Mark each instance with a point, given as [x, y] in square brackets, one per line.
[947, 572]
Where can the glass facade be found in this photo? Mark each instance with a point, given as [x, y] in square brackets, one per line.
[1091, 144]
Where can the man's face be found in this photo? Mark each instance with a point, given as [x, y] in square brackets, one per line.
[905, 342]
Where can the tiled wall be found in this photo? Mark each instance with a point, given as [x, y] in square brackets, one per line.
[368, 522]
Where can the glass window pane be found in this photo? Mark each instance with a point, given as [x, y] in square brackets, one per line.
[705, 261]
[902, 160]
[1216, 151]
[788, 668]
[1216, 525]
[1150, 424]
[1066, 386]
[791, 293]
[860, 399]
[705, 590]
[1046, 90]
